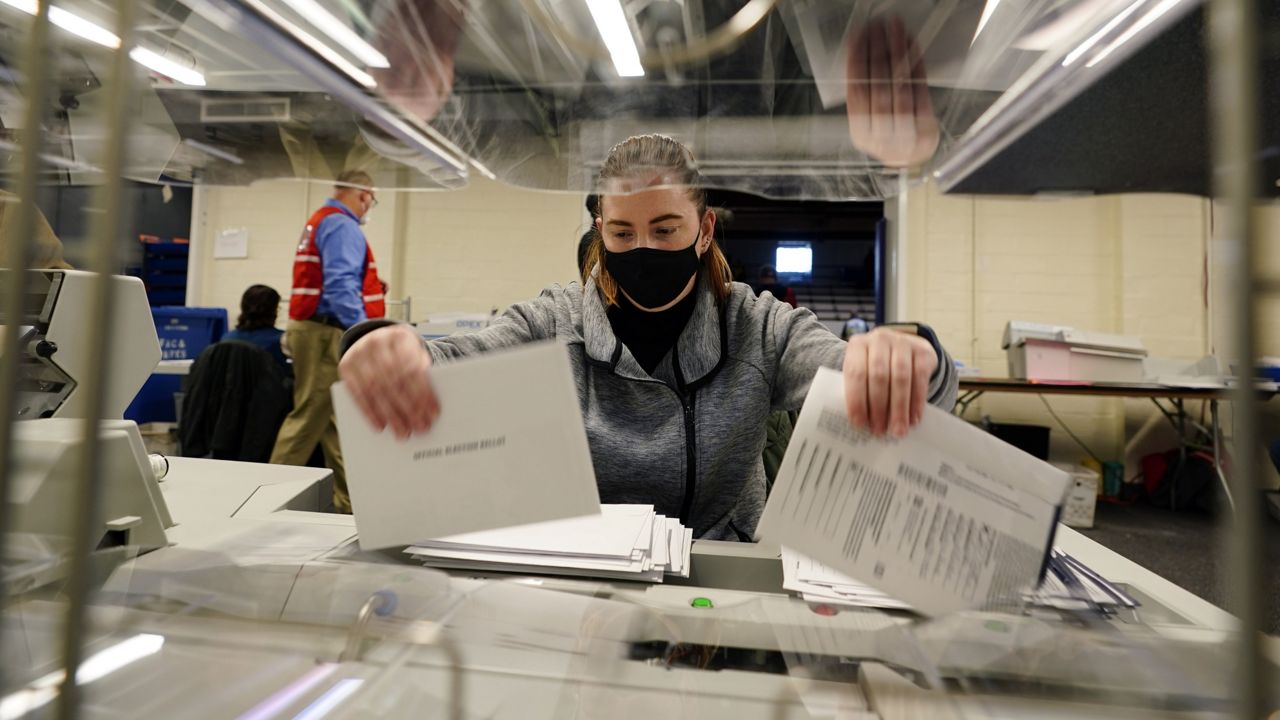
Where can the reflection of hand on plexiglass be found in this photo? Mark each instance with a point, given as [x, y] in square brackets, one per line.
[419, 39]
[890, 113]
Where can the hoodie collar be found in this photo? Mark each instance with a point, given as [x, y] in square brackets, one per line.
[698, 354]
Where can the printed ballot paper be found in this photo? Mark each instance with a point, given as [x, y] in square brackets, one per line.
[945, 519]
[509, 448]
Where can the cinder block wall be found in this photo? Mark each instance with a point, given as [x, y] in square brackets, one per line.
[1131, 264]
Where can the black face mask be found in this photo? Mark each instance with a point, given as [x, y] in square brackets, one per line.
[653, 278]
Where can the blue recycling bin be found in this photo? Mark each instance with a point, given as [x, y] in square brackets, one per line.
[184, 333]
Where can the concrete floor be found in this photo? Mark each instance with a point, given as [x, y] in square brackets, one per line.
[1185, 548]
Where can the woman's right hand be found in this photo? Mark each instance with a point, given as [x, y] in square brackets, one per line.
[387, 372]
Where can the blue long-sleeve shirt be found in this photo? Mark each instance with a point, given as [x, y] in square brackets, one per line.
[342, 254]
[266, 338]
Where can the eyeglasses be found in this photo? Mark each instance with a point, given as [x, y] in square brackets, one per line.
[373, 199]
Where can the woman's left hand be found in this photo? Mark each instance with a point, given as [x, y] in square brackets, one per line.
[886, 380]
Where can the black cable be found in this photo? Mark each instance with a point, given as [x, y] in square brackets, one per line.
[1079, 442]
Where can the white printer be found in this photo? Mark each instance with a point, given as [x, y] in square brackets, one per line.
[441, 325]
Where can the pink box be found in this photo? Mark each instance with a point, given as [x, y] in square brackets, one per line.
[1034, 359]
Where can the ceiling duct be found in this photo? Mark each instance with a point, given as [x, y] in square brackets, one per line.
[245, 110]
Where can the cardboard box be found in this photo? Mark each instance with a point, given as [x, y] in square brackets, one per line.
[159, 437]
[1082, 496]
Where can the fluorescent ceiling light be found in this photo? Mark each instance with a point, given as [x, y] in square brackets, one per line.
[80, 27]
[117, 656]
[54, 160]
[483, 170]
[613, 27]
[167, 67]
[1137, 27]
[43, 690]
[70, 22]
[95, 33]
[329, 54]
[21, 702]
[986, 15]
[332, 56]
[212, 151]
[331, 699]
[289, 694]
[1061, 24]
[339, 32]
[1093, 39]
[26, 6]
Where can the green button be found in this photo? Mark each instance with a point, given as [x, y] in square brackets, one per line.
[701, 602]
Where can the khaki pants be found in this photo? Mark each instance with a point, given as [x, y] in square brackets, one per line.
[315, 368]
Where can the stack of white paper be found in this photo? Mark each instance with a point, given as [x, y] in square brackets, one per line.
[1069, 584]
[629, 542]
[815, 582]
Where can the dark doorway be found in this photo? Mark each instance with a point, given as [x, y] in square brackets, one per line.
[156, 247]
[843, 244]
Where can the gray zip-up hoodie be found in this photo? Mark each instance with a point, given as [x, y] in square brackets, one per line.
[688, 438]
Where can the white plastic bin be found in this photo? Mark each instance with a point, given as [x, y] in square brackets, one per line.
[1033, 359]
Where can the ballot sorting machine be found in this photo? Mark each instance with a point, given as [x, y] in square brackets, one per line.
[219, 591]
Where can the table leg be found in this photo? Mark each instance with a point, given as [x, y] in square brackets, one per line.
[1217, 453]
[965, 400]
[1182, 450]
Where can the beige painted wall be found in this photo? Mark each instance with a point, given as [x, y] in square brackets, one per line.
[1268, 254]
[1267, 340]
[486, 246]
[1130, 264]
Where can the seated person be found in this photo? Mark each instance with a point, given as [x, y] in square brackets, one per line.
[676, 366]
[769, 283]
[256, 325]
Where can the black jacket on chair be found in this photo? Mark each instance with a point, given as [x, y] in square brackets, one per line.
[235, 402]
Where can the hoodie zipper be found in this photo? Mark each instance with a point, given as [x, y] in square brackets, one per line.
[691, 458]
[690, 439]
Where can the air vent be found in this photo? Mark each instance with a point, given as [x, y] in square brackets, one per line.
[240, 110]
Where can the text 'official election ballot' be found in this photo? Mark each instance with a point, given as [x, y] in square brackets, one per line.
[509, 448]
[945, 519]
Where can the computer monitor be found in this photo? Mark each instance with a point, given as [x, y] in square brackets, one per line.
[794, 259]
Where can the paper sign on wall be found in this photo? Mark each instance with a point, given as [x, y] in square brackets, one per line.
[231, 243]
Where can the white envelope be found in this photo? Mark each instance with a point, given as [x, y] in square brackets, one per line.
[509, 448]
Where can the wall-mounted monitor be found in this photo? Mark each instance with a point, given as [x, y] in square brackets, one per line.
[794, 258]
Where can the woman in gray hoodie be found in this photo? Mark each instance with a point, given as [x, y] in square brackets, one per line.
[677, 367]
